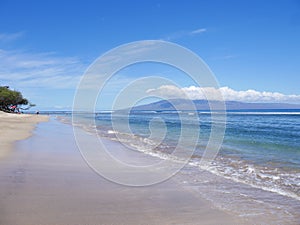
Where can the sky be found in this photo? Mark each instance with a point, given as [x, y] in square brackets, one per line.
[251, 46]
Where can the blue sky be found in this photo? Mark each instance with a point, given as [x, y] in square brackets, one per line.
[45, 46]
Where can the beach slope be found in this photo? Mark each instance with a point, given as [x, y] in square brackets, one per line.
[14, 127]
[46, 181]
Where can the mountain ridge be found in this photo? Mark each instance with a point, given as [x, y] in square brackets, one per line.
[183, 104]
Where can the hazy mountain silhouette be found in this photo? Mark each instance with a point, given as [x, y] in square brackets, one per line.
[183, 104]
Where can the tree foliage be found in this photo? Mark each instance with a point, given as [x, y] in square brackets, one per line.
[11, 101]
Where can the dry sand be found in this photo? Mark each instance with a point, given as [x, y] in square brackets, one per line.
[47, 182]
[14, 127]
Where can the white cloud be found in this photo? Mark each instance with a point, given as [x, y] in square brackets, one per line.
[23, 69]
[228, 94]
[5, 37]
[198, 31]
[167, 91]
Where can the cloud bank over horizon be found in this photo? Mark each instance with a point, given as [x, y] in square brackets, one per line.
[228, 94]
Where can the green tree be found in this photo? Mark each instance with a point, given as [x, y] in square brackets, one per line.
[11, 101]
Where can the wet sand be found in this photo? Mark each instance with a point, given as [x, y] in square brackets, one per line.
[45, 181]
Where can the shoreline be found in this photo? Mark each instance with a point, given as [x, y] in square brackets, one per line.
[251, 202]
[15, 127]
[49, 172]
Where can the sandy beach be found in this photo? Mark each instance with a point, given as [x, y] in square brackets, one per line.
[149, 112]
[46, 181]
[14, 127]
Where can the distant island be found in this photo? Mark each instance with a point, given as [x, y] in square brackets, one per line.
[183, 104]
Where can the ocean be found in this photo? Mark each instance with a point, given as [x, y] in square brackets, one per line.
[255, 173]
